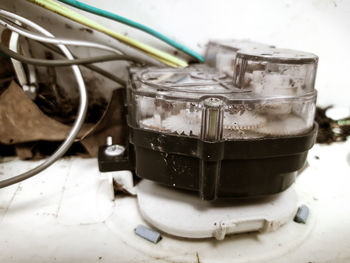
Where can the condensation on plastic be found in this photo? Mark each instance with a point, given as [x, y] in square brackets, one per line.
[172, 101]
[222, 54]
[264, 69]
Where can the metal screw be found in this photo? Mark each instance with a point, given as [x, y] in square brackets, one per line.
[115, 150]
[109, 141]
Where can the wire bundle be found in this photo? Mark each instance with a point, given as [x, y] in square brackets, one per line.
[80, 116]
[64, 62]
[118, 18]
[8, 20]
[158, 54]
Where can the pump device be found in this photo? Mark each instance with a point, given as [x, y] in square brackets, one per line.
[235, 131]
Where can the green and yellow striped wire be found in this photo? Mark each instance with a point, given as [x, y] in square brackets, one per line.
[66, 12]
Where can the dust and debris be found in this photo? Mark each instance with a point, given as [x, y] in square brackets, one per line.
[119, 190]
[99, 258]
[316, 157]
[24, 150]
[63, 189]
[18, 189]
[331, 130]
[55, 102]
[125, 33]
[20, 115]
[68, 26]
[38, 127]
[197, 256]
[46, 18]
[85, 29]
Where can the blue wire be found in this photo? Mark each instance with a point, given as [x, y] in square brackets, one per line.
[115, 17]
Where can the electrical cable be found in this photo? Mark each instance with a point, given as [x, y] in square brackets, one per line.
[77, 124]
[94, 68]
[154, 52]
[77, 61]
[64, 62]
[71, 42]
[57, 41]
[106, 74]
[126, 21]
[63, 41]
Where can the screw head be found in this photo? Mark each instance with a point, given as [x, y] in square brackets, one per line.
[213, 103]
[115, 150]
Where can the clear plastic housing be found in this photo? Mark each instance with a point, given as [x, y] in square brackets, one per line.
[222, 54]
[202, 102]
[264, 69]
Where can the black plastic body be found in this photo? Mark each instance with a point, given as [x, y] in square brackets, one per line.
[108, 163]
[223, 169]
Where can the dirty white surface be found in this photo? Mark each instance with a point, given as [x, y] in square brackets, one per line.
[65, 215]
[169, 211]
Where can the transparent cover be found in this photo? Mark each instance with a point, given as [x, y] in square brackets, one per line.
[264, 69]
[203, 102]
[222, 54]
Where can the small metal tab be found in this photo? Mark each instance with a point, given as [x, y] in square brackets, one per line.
[302, 214]
[148, 234]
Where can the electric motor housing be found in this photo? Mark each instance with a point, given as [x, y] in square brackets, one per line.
[225, 136]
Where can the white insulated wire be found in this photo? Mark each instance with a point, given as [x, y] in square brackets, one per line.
[80, 115]
[49, 38]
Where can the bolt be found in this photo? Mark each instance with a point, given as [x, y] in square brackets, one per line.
[115, 150]
[109, 141]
